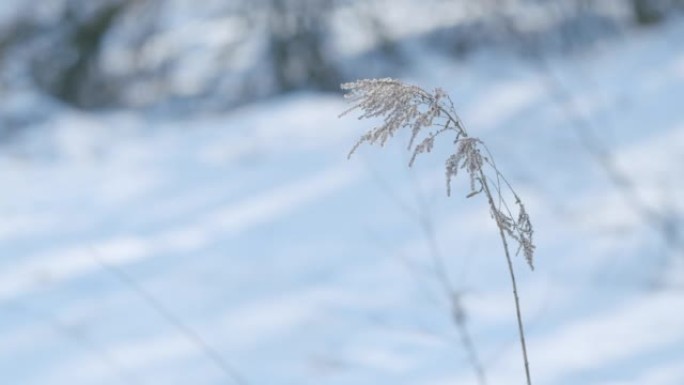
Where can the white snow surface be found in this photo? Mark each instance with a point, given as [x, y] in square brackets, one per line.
[298, 266]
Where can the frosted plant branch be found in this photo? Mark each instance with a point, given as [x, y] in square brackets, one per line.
[428, 115]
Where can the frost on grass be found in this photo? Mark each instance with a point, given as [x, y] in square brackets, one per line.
[428, 115]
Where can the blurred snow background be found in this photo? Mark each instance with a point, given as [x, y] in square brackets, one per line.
[177, 206]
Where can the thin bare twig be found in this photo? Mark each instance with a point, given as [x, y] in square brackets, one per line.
[82, 340]
[454, 297]
[189, 333]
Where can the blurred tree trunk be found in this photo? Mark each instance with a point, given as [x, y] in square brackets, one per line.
[297, 34]
[648, 11]
[69, 68]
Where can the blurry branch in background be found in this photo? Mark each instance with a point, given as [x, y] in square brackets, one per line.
[458, 314]
[73, 333]
[659, 219]
[189, 333]
[428, 115]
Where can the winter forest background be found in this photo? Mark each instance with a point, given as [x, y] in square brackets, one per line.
[177, 206]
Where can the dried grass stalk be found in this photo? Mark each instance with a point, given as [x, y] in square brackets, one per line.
[428, 115]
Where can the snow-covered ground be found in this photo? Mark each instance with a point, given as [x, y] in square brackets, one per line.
[298, 266]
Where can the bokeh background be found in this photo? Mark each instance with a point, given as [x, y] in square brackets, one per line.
[176, 205]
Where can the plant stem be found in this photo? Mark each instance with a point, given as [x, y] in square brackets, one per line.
[517, 307]
[521, 331]
[467, 342]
